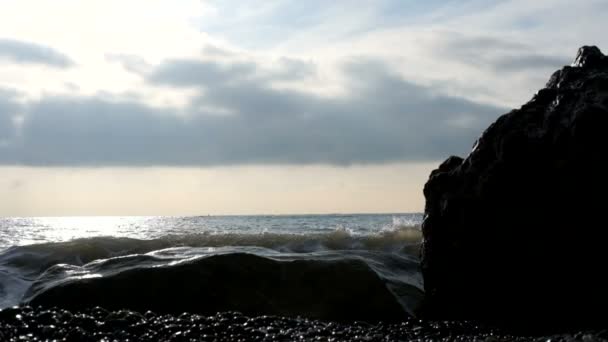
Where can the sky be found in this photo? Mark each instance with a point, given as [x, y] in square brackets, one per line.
[185, 107]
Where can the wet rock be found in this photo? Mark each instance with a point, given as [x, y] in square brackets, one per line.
[515, 232]
[346, 289]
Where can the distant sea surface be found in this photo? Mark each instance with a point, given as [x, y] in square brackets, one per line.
[30, 247]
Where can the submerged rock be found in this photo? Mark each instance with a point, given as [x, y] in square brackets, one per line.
[516, 233]
[340, 289]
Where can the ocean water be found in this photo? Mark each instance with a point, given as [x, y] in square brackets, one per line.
[42, 252]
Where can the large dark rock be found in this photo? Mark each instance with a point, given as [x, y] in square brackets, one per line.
[340, 289]
[516, 233]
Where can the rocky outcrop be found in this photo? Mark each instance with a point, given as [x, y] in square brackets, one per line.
[516, 232]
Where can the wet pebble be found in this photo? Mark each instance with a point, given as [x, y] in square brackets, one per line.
[98, 324]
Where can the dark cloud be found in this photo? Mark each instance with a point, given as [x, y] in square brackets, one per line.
[293, 69]
[187, 72]
[530, 61]
[9, 109]
[31, 53]
[384, 118]
[197, 73]
[496, 53]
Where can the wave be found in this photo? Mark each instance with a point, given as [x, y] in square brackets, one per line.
[233, 278]
[37, 257]
[21, 266]
[350, 285]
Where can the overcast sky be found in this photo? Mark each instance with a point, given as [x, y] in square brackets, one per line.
[144, 99]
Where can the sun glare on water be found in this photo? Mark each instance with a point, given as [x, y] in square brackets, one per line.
[75, 227]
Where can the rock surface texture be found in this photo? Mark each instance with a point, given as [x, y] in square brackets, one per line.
[516, 233]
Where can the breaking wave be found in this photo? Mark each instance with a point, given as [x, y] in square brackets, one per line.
[21, 266]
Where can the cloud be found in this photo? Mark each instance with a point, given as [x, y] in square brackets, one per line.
[216, 51]
[213, 73]
[9, 109]
[382, 118]
[131, 63]
[31, 53]
[527, 62]
[293, 69]
[499, 54]
[200, 94]
[187, 72]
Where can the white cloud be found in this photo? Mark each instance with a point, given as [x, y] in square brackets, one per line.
[486, 54]
[446, 67]
[407, 34]
[89, 30]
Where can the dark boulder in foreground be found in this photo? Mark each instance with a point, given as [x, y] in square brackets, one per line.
[516, 233]
[341, 289]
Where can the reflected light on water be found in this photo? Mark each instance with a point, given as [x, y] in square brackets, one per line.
[42, 229]
[18, 231]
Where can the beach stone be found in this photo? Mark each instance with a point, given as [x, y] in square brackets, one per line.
[516, 232]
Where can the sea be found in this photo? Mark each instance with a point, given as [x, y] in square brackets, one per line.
[33, 248]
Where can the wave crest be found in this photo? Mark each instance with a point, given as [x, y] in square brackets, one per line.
[21, 265]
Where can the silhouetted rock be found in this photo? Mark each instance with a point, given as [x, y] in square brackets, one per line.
[346, 289]
[516, 233]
